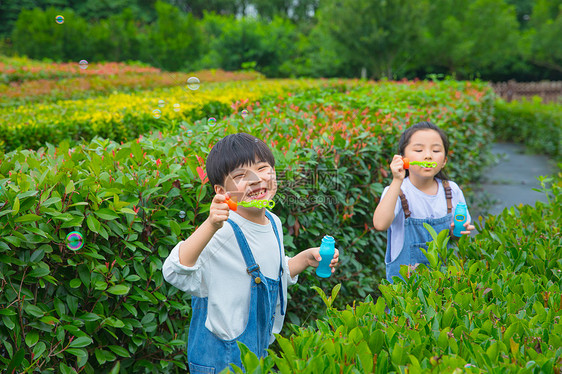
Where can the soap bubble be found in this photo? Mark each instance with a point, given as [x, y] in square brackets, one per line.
[212, 121]
[176, 108]
[74, 241]
[182, 214]
[190, 133]
[59, 19]
[161, 103]
[83, 64]
[193, 83]
[244, 113]
[156, 113]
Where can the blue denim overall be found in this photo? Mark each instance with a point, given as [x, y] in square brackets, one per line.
[416, 236]
[206, 353]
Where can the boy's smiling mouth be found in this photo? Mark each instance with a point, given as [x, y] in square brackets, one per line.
[258, 193]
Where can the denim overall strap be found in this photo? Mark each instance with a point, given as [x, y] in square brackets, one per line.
[208, 353]
[415, 237]
[280, 262]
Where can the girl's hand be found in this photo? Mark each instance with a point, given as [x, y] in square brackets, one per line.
[468, 227]
[218, 212]
[397, 168]
[313, 258]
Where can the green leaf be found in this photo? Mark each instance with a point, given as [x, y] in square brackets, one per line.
[16, 361]
[39, 272]
[93, 224]
[77, 352]
[120, 351]
[16, 206]
[118, 289]
[176, 230]
[28, 218]
[106, 214]
[8, 322]
[116, 368]
[7, 311]
[34, 310]
[31, 338]
[75, 283]
[69, 187]
[59, 306]
[81, 341]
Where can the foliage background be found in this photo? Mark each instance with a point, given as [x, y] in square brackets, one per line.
[491, 39]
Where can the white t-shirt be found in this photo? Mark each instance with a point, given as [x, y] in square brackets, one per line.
[421, 206]
[220, 275]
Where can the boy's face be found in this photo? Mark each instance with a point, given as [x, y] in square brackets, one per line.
[251, 182]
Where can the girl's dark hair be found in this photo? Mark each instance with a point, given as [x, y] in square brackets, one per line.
[425, 125]
[233, 151]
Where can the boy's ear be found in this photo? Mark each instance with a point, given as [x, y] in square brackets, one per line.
[219, 189]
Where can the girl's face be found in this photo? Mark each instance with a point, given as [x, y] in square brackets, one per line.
[426, 145]
[252, 182]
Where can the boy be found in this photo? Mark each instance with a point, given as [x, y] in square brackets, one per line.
[237, 273]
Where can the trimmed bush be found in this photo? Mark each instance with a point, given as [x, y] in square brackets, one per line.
[537, 125]
[105, 306]
[494, 306]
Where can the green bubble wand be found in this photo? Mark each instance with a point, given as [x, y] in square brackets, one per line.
[423, 164]
[233, 205]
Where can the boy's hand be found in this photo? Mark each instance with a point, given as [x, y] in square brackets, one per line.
[313, 258]
[397, 168]
[468, 227]
[218, 212]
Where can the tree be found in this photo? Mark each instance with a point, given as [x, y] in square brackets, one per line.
[545, 37]
[471, 37]
[37, 35]
[379, 35]
[173, 41]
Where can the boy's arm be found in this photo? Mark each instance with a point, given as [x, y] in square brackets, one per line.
[192, 247]
[309, 257]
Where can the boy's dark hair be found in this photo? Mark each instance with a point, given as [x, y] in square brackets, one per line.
[425, 125]
[233, 151]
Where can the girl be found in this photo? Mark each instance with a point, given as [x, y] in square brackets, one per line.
[416, 196]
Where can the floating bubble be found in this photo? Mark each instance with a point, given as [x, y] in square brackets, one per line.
[156, 113]
[161, 103]
[176, 108]
[244, 113]
[212, 121]
[59, 19]
[190, 133]
[193, 83]
[182, 214]
[83, 64]
[74, 241]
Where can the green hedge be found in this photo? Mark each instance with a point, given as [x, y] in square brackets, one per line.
[494, 306]
[537, 125]
[106, 307]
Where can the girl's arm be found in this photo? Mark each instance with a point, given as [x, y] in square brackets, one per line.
[309, 257]
[384, 214]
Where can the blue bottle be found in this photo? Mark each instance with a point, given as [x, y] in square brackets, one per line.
[327, 251]
[460, 218]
